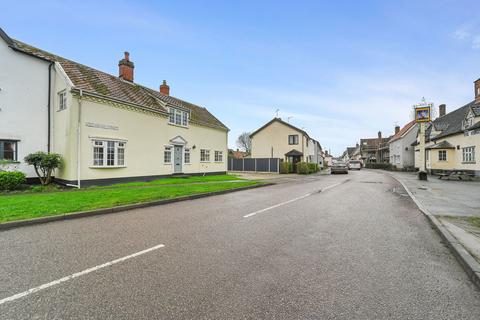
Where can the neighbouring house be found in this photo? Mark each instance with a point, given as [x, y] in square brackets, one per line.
[107, 128]
[26, 100]
[402, 153]
[453, 139]
[375, 149]
[237, 154]
[328, 159]
[279, 139]
[347, 155]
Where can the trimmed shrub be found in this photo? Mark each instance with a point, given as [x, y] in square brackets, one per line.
[302, 168]
[11, 180]
[313, 167]
[44, 164]
[284, 167]
[373, 165]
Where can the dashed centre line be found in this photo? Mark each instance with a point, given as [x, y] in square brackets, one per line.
[293, 200]
[77, 274]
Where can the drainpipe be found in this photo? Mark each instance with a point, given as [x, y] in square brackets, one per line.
[79, 128]
[48, 105]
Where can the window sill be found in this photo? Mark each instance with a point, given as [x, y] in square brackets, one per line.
[178, 125]
[167, 163]
[218, 161]
[205, 161]
[474, 162]
[11, 162]
[107, 167]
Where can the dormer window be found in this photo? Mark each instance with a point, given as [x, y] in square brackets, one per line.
[178, 117]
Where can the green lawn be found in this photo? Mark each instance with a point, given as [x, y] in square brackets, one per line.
[176, 180]
[33, 205]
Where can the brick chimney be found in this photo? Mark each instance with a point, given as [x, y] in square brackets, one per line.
[477, 91]
[379, 134]
[125, 68]
[165, 88]
[442, 110]
[397, 129]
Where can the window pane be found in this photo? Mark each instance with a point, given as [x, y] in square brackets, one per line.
[98, 156]
[110, 153]
[167, 155]
[9, 148]
[178, 118]
[172, 115]
[187, 156]
[120, 156]
[185, 119]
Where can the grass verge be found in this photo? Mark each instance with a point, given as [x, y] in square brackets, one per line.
[34, 205]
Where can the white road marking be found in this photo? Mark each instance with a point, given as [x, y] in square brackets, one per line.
[77, 274]
[277, 205]
[292, 200]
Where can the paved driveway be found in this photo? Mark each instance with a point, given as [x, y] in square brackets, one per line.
[359, 249]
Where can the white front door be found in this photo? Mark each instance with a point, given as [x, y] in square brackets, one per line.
[177, 159]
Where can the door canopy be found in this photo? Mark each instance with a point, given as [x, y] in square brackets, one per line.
[178, 140]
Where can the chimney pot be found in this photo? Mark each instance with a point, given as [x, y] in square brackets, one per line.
[125, 68]
[477, 91]
[379, 134]
[442, 110]
[165, 88]
[397, 129]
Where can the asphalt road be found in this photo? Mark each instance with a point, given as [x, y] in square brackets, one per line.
[359, 249]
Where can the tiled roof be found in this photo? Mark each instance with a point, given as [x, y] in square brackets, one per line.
[104, 84]
[282, 122]
[451, 123]
[403, 131]
[293, 153]
[442, 145]
[476, 109]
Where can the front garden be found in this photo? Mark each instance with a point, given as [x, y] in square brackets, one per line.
[19, 201]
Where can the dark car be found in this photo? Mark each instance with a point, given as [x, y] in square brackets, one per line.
[339, 167]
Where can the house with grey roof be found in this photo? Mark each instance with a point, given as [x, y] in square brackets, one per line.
[400, 145]
[107, 128]
[453, 139]
[280, 139]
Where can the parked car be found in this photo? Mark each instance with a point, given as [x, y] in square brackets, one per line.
[339, 167]
[354, 165]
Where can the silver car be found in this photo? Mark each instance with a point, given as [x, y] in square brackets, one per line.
[339, 167]
[354, 164]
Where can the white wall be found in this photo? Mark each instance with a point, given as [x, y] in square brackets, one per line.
[23, 102]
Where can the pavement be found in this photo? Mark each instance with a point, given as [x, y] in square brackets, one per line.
[334, 247]
[452, 202]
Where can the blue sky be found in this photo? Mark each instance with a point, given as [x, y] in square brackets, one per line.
[341, 69]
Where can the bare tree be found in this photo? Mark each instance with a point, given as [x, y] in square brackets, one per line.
[244, 142]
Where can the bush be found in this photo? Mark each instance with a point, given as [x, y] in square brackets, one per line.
[286, 167]
[44, 164]
[302, 168]
[11, 180]
[373, 165]
[283, 167]
[313, 167]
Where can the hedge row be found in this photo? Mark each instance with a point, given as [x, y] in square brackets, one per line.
[300, 167]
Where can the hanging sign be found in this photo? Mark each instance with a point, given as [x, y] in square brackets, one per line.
[422, 111]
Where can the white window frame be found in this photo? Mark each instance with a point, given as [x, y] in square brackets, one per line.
[15, 149]
[178, 117]
[62, 100]
[168, 150]
[468, 154]
[103, 144]
[186, 151]
[440, 152]
[218, 157]
[204, 155]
